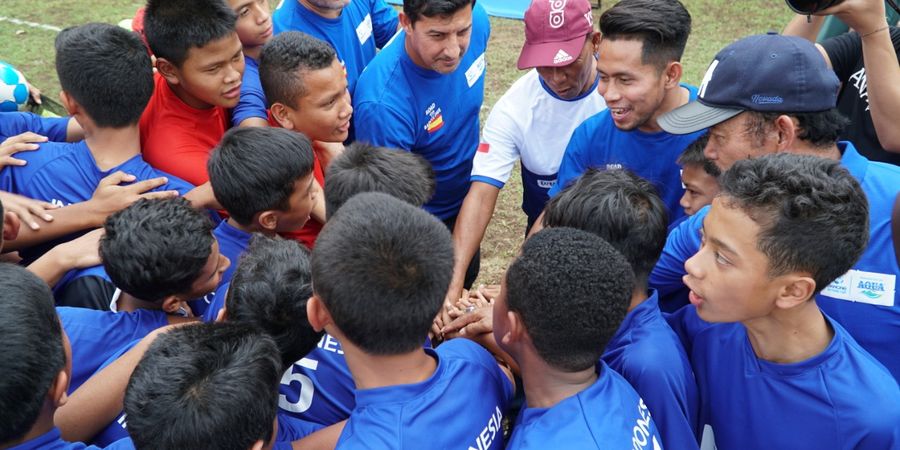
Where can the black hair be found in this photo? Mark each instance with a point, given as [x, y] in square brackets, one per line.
[173, 27]
[820, 129]
[106, 70]
[33, 351]
[269, 291]
[382, 266]
[572, 290]
[366, 168]
[156, 248]
[812, 213]
[209, 385]
[416, 9]
[662, 26]
[284, 57]
[256, 169]
[693, 156]
[620, 207]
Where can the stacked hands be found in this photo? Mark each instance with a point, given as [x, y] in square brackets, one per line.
[471, 316]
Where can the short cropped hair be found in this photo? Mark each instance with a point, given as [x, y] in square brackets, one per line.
[269, 291]
[33, 349]
[173, 27]
[693, 156]
[106, 70]
[416, 9]
[620, 207]
[255, 169]
[662, 26]
[367, 168]
[813, 215]
[283, 57]
[210, 385]
[382, 266]
[156, 248]
[819, 129]
[572, 290]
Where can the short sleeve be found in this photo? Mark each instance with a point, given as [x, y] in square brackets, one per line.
[385, 21]
[15, 123]
[252, 102]
[682, 243]
[499, 151]
[574, 161]
[465, 349]
[844, 51]
[381, 125]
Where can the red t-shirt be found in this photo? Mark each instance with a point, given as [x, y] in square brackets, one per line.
[177, 138]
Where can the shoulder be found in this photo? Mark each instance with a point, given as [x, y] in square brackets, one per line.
[464, 355]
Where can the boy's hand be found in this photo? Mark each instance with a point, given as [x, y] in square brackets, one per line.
[203, 197]
[81, 252]
[110, 196]
[24, 142]
[472, 317]
[26, 209]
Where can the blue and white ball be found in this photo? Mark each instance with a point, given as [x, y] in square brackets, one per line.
[13, 90]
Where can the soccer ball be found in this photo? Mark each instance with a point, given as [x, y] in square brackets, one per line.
[13, 90]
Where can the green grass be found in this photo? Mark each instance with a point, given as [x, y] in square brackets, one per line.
[716, 23]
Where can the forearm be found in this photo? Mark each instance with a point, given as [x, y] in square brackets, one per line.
[66, 220]
[52, 266]
[318, 211]
[803, 26]
[474, 217]
[883, 84]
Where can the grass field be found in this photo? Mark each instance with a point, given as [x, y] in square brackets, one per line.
[716, 23]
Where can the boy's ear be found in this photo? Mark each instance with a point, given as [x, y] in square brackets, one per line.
[167, 70]
[57, 394]
[280, 113]
[222, 316]
[11, 224]
[797, 290]
[515, 330]
[172, 304]
[258, 445]
[317, 313]
[69, 103]
[267, 220]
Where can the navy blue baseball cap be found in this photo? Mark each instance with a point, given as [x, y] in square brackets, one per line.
[765, 73]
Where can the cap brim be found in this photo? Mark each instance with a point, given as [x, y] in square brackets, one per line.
[694, 116]
[543, 54]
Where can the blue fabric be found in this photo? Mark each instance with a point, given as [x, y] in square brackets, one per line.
[371, 21]
[319, 387]
[15, 123]
[460, 406]
[400, 105]
[841, 398]
[598, 143]
[121, 444]
[216, 302]
[535, 192]
[647, 353]
[51, 440]
[97, 335]
[875, 327]
[608, 414]
[252, 101]
[511, 9]
[292, 429]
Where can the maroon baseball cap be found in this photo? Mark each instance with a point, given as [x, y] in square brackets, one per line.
[555, 31]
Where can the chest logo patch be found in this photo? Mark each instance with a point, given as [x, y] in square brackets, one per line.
[435, 119]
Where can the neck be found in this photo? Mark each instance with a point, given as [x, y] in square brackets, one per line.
[790, 336]
[803, 148]
[637, 297]
[189, 99]
[130, 303]
[112, 146]
[327, 13]
[249, 228]
[674, 98]
[253, 51]
[375, 371]
[42, 426]
[545, 386]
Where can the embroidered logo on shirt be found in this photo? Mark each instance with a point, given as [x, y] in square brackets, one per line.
[561, 57]
[435, 119]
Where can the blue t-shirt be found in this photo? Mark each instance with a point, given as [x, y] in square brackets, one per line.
[363, 27]
[647, 353]
[98, 335]
[400, 105]
[607, 415]
[841, 398]
[319, 387]
[598, 143]
[52, 440]
[16, 123]
[460, 406]
[232, 244]
[252, 101]
[872, 317]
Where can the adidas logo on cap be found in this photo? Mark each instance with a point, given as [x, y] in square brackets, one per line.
[561, 57]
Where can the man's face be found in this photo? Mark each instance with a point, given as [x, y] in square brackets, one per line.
[438, 43]
[211, 75]
[323, 113]
[699, 188]
[211, 274]
[574, 79]
[300, 204]
[728, 277]
[254, 24]
[633, 91]
[732, 140]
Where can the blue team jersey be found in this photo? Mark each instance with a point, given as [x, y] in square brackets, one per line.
[216, 302]
[52, 440]
[252, 101]
[16, 123]
[363, 27]
[460, 406]
[872, 317]
[607, 415]
[64, 173]
[319, 387]
[598, 143]
[400, 105]
[647, 353]
[842, 398]
[96, 336]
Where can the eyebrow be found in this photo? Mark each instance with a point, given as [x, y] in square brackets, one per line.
[717, 242]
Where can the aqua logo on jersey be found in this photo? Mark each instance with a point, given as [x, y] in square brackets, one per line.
[870, 288]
